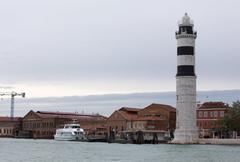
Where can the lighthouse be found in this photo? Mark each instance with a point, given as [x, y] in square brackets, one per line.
[186, 129]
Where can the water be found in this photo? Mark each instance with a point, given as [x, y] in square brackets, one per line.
[28, 150]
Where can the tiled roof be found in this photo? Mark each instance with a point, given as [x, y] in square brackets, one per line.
[166, 107]
[48, 114]
[209, 105]
[127, 115]
[7, 119]
[129, 109]
[147, 118]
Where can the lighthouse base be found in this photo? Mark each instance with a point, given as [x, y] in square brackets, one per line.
[185, 136]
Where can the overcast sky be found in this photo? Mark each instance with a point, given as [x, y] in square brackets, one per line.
[76, 47]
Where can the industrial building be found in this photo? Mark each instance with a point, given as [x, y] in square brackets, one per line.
[152, 123]
[10, 127]
[43, 124]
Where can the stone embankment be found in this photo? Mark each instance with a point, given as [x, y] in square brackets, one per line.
[220, 141]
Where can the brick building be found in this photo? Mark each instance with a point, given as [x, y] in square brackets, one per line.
[156, 117]
[153, 119]
[42, 124]
[119, 119]
[9, 127]
[209, 115]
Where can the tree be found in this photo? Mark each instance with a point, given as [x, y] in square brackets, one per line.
[231, 121]
[236, 106]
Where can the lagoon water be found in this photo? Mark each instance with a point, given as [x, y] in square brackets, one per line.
[29, 150]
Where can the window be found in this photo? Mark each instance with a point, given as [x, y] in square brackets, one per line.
[211, 114]
[215, 114]
[221, 113]
[205, 114]
[200, 114]
[213, 123]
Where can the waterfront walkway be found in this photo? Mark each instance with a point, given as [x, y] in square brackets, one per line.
[215, 141]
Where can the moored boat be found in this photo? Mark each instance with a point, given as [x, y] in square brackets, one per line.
[70, 132]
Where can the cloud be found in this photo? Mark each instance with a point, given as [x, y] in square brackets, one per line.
[115, 41]
[6, 87]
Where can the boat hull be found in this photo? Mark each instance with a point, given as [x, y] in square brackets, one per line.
[69, 138]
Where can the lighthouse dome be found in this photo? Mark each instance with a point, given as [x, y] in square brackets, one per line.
[186, 21]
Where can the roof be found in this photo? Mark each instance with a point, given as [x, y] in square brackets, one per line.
[185, 21]
[147, 118]
[48, 114]
[7, 119]
[127, 115]
[209, 105]
[65, 113]
[129, 109]
[161, 106]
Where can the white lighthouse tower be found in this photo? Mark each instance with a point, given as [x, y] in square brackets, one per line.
[186, 129]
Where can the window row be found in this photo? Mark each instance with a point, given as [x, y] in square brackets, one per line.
[45, 133]
[211, 114]
[207, 124]
[138, 126]
[6, 131]
[38, 125]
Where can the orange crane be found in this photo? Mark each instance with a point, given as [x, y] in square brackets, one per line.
[12, 94]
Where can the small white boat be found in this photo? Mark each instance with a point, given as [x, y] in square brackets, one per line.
[70, 132]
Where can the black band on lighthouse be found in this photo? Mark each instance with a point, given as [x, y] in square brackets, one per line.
[185, 50]
[185, 70]
[185, 29]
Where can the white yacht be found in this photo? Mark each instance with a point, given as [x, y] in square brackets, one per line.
[70, 132]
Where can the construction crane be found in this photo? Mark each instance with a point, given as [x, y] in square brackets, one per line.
[12, 94]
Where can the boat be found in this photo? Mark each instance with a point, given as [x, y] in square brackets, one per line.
[70, 132]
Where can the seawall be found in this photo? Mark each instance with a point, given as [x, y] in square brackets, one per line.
[220, 141]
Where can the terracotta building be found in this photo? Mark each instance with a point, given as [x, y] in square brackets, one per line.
[9, 127]
[157, 117]
[119, 119]
[153, 119]
[42, 124]
[209, 115]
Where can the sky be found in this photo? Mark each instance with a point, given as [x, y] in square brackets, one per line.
[76, 47]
